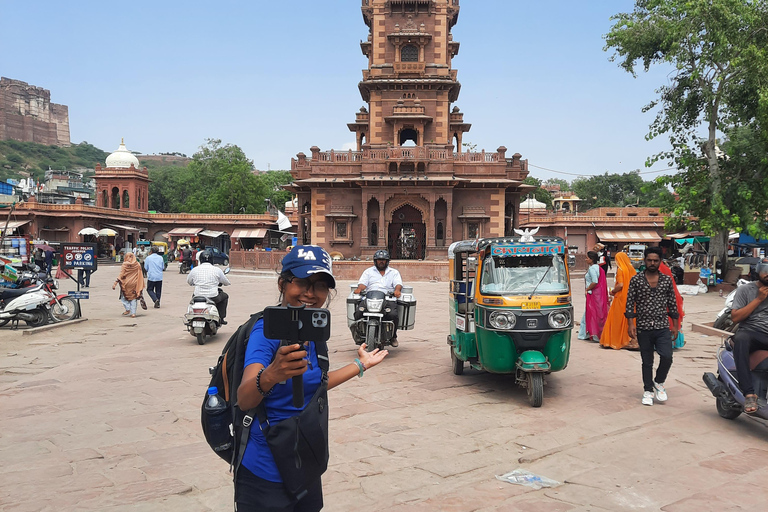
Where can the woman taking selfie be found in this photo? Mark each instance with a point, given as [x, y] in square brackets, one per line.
[306, 279]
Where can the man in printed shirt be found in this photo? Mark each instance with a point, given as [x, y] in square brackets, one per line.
[651, 302]
[384, 278]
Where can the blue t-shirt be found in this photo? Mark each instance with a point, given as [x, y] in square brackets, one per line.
[257, 458]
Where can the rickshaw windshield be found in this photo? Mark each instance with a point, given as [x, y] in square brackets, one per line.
[520, 275]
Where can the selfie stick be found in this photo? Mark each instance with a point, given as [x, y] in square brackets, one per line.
[298, 380]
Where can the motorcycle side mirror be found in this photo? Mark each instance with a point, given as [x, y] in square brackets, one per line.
[226, 270]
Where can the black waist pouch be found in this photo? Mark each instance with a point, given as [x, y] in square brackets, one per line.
[299, 444]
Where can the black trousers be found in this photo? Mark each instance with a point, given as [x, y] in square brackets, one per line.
[391, 316]
[84, 277]
[255, 494]
[658, 340]
[744, 343]
[155, 290]
[221, 300]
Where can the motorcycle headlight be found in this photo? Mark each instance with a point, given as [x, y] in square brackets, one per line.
[502, 320]
[375, 305]
[559, 319]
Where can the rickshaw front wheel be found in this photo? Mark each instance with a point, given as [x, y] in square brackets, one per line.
[535, 388]
[458, 364]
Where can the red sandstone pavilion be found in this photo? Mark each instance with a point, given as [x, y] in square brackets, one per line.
[408, 187]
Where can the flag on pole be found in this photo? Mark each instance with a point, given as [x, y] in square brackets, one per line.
[282, 221]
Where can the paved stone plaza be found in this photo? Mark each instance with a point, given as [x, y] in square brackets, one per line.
[104, 415]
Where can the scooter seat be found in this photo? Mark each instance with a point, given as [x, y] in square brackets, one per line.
[12, 293]
[200, 298]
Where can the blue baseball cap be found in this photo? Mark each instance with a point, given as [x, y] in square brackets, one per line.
[306, 260]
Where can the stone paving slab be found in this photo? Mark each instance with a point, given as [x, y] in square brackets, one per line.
[104, 415]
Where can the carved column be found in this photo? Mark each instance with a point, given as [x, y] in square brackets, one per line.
[449, 219]
[364, 230]
[431, 222]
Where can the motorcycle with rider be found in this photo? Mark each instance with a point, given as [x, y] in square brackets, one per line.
[379, 305]
[207, 310]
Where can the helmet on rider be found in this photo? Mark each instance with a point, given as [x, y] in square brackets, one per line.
[206, 257]
[381, 259]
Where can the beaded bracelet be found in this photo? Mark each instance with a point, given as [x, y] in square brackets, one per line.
[258, 385]
[360, 367]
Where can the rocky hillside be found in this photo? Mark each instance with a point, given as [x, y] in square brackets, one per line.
[18, 159]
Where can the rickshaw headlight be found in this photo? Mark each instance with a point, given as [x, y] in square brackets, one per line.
[502, 320]
[559, 319]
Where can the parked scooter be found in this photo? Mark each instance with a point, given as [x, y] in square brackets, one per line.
[372, 329]
[725, 386]
[36, 305]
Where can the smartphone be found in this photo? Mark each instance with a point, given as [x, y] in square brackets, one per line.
[295, 324]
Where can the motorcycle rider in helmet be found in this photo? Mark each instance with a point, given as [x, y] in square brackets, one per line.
[206, 279]
[750, 311]
[384, 278]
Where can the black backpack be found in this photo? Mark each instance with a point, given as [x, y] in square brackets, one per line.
[226, 376]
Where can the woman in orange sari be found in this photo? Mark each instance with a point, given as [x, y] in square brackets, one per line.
[664, 269]
[615, 333]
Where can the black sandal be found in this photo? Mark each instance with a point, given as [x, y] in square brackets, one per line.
[750, 404]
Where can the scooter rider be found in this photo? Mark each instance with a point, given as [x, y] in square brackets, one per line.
[384, 278]
[750, 311]
[206, 279]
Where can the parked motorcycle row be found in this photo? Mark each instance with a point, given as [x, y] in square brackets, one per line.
[33, 299]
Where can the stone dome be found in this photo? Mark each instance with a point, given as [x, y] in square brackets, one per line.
[122, 158]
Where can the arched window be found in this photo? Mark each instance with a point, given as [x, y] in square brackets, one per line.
[115, 198]
[104, 199]
[439, 231]
[126, 201]
[409, 53]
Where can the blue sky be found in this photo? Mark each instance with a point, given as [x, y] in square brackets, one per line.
[278, 77]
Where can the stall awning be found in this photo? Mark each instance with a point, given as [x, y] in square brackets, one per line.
[212, 234]
[249, 233]
[184, 232]
[627, 236]
[121, 226]
[14, 224]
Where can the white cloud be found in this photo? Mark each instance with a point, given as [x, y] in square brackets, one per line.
[349, 145]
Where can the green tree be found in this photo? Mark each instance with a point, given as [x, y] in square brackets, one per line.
[224, 181]
[609, 190]
[718, 50]
[540, 194]
[273, 182]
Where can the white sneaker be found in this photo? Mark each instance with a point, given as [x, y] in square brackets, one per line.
[647, 398]
[661, 393]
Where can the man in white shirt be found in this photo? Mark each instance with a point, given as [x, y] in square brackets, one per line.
[206, 279]
[384, 278]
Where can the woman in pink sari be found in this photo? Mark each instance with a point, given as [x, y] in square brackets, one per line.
[596, 311]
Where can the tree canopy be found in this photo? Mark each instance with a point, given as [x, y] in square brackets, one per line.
[718, 53]
[619, 190]
[219, 179]
[540, 194]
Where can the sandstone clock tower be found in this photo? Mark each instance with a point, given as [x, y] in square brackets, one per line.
[408, 188]
[410, 84]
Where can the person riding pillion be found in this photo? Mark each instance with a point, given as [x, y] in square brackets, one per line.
[206, 279]
[384, 278]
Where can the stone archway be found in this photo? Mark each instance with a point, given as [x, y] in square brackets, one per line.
[407, 234]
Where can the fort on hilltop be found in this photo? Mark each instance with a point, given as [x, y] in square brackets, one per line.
[27, 114]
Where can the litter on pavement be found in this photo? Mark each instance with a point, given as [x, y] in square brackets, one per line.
[523, 477]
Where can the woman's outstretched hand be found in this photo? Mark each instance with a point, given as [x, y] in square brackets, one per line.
[371, 359]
